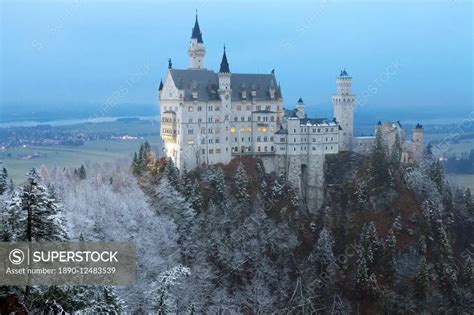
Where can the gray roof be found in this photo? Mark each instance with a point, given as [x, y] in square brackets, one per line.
[316, 121]
[206, 83]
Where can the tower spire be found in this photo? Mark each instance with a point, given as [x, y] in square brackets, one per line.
[196, 34]
[224, 64]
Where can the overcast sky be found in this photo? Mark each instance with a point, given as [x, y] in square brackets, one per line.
[416, 53]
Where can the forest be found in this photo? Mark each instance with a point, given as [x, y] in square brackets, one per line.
[234, 239]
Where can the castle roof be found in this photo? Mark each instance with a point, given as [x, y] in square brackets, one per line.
[300, 101]
[196, 34]
[224, 64]
[206, 83]
[317, 121]
[344, 73]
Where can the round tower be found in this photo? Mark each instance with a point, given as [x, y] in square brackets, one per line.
[418, 141]
[196, 50]
[343, 104]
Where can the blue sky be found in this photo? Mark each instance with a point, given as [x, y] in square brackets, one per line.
[418, 54]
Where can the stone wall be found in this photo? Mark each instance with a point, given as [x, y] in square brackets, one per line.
[306, 174]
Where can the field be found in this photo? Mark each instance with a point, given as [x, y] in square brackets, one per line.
[99, 151]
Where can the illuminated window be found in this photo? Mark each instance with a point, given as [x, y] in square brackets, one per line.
[190, 108]
[190, 142]
[249, 129]
[242, 129]
[262, 129]
[218, 151]
[232, 130]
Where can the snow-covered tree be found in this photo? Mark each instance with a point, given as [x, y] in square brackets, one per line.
[41, 217]
[241, 184]
[3, 180]
[163, 302]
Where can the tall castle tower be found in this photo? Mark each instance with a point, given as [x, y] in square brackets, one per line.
[343, 103]
[196, 50]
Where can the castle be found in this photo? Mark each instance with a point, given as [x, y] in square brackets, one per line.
[210, 118]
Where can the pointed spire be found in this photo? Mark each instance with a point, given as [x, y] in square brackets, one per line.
[170, 64]
[161, 85]
[224, 64]
[300, 101]
[196, 34]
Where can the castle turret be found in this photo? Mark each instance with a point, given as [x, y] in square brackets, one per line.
[196, 50]
[418, 141]
[343, 104]
[300, 108]
[224, 73]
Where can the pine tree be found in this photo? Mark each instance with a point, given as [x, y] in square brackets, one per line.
[172, 173]
[82, 173]
[422, 281]
[3, 181]
[241, 185]
[324, 255]
[396, 154]
[135, 167]
[40, 214]
[379, 161]
[217, 181]
[362, 278]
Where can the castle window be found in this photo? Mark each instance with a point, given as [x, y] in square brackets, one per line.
[249, 118]
[210, 131]
[199, 108]
[232, 130]
[272, 149]
[258, 149]
[239, 108]
[294, 140]
[259, 139]
[268, 107]
[217, 140]
[294, 149]
[211, 151]
[262, 129]
[217, 108]
[282, 148]
[265, 139]
[319, 130]
[242, 118]
[203, 151]
[199, 120]
[242, 129]
[210, 108]
[248, 107]
[203, 131]
[326, 130]
[259, 107]
[203, 141]
[271, 138]
[294, 130]
[243, 140]
[209, 119]
[210, 140]
[218, 151]
[265, 148]
[190, 142]
[190, 131]
[314, 139]
[313, 148]
[249, 129]
[272, 118]
[332, 129]
[236, 118]
[282, 139]
[190, 108]
[258, 118]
